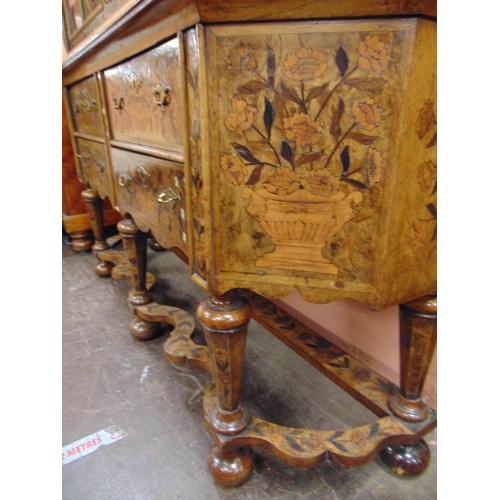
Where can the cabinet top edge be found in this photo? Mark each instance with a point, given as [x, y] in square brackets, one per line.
[160, 19]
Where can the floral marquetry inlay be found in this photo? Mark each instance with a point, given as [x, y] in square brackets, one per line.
[305, 128]
[424, 229]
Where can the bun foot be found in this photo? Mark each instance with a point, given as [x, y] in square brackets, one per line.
[144, 330]
[81, 241]
[103, 268]
[154, 245]
[407, 460]
[232, 468]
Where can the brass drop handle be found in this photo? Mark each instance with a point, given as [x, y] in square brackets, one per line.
[162, 95]
[90, 157]
[143, 174]
[99, 165]
[169, 196]
[90, 104]
[124, 180]
[117, 101]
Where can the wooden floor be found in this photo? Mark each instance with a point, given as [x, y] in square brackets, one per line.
[111, 379]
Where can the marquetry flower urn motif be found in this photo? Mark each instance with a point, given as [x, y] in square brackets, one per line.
[299, 224]
[293, 139]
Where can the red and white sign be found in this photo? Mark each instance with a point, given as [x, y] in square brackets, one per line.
[90, 443]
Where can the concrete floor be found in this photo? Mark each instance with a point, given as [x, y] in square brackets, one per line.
[164, 453]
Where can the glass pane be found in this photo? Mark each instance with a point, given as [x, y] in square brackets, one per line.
[89, 6]
[74, 11]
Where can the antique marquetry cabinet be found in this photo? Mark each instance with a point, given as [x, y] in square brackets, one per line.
[274, 146]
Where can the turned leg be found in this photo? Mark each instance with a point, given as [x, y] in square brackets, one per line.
[224, 321]
[81, 241]
[418, 333]
[135, 242]
[96, 215]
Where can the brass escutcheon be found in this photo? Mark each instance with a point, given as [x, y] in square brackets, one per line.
[124, 180]
[169, 196]
[143, 174]
[99, 165]
[162, 94]
[117, 101]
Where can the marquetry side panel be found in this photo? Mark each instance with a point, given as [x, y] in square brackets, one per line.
[411, 270]
[194, 176]
[304, 159]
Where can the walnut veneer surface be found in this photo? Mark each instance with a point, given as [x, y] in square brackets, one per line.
[277, 145]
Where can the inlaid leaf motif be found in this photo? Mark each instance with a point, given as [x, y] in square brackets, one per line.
[293, 444]
[336, 365]
[316, 92]
[374, 430]
[320, 343]
[432, 209]
[256, 430]
[268, 116]
[336, 117]
[258, 236]
[244, 152]
[355, 183]
[335, 435]
[384, 385]
[255, 177]
[271, 64]
[426, 119]
[222, 366]
[290, 94]
[258, 145]
[346, 362]
[362, 138]
[433, 141]
[253, 87]
[339, 446]
[345, 160]
[366, 85]
[342, 60]
[287, 151]
[283, 319]
[190, 78]
[309, 157]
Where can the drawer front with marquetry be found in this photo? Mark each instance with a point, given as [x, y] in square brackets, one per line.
[144, 99]
[93, 164]
[85, 109]
[153, 192]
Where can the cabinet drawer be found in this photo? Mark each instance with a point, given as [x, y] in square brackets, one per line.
[153, 192]
[144, 98]
[93, 164]
[85, 109]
